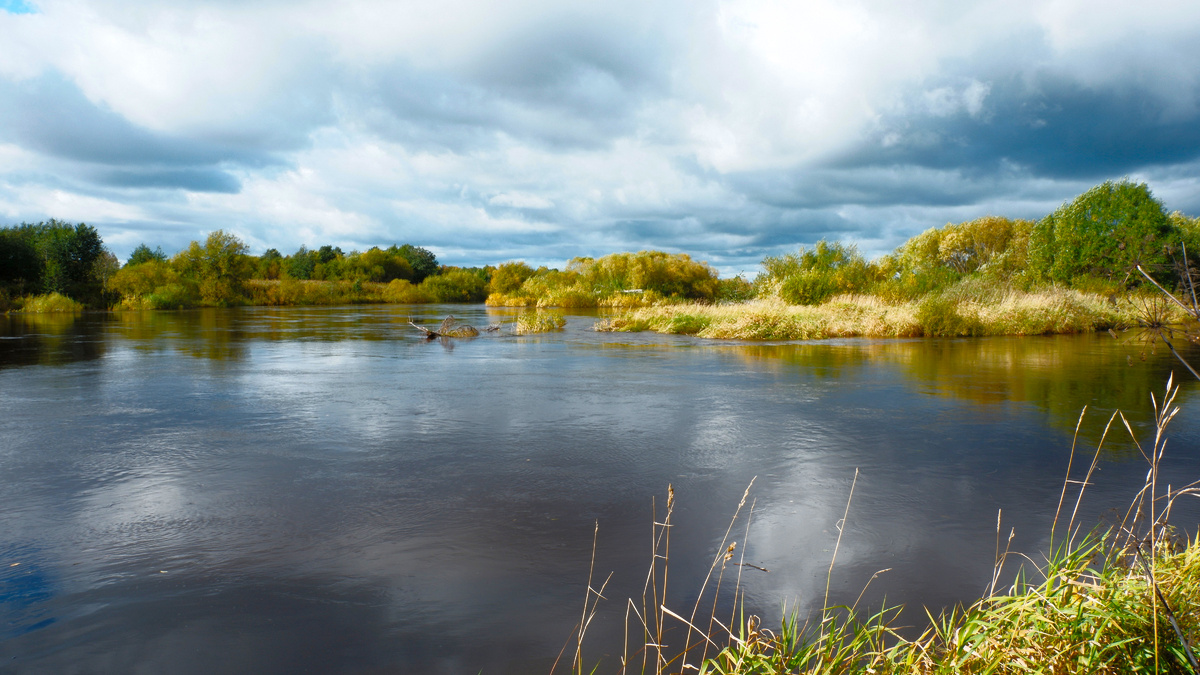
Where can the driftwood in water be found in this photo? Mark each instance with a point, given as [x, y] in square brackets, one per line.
[450, 327]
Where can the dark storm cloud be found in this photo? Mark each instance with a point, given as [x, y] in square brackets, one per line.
[1053, 127]
[193, 180]
[868, 185]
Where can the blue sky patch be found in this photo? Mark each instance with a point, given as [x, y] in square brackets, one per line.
[17, 7]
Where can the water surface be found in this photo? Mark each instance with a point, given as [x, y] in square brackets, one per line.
[323, 490]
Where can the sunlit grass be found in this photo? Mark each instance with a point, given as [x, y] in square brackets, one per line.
[48, 304]
[950, 313]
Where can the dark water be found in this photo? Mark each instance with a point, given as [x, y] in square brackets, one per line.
[320, 490]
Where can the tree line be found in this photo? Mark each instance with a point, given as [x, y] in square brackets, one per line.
[70, 260]
[1092, 243]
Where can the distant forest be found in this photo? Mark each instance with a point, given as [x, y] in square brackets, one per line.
[1094, 243]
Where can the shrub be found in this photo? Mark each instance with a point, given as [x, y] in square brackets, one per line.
[735, 289]
[49, 303]
[810, 277]
[455, 285]
[507, 300]
[180, 295]
[808, 287]
[508, 277]
[135, 280]
[403, 292]
[568, 297]
[939, 316]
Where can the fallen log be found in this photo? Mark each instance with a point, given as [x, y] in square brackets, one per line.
[449, 328]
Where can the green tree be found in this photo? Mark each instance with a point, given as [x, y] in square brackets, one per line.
[69, 254]
[20, 264]
[269, 265]
[423, 262]
[377, 265]
[143, 254]
[301, 264]
[327, 253]
[1103, 232]
[220, 268]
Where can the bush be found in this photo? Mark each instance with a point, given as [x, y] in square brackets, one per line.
[403, 292]
[736, 289]
[135, 280]
[809, 287]
[180, 295]
[939, 316]
[508, 277]
[810, 277]
[49, 303]
[456, 285]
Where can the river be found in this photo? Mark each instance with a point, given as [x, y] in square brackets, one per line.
[323, 490]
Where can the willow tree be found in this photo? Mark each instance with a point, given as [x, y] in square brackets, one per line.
[1104, 232]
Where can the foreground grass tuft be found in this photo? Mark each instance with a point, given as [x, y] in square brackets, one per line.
[1094, 611]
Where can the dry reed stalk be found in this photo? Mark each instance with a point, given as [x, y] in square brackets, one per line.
[589, 611]
[724, 555]
[840, 528]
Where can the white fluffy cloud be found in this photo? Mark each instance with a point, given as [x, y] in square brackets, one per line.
[542, 130]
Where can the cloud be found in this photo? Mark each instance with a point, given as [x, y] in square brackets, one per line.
[729, 129]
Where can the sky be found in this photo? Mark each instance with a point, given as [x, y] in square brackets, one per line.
[542, 130]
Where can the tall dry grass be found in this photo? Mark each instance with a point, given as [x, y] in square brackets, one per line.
[958, 312]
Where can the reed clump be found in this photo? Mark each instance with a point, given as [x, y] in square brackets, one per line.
[540, 321]
[1120, 600]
